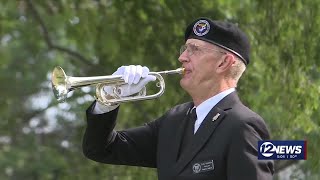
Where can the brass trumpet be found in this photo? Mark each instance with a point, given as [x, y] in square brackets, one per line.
[63, 84]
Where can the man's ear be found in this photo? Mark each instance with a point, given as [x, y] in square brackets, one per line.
[226, 62]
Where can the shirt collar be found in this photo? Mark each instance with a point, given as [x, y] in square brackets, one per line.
[204, 108]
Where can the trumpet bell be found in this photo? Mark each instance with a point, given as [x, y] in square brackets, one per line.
[59, 84]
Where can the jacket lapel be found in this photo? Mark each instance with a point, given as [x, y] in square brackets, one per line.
[180, 132]
[207, 127]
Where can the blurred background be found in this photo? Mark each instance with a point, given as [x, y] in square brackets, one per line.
[40, 139]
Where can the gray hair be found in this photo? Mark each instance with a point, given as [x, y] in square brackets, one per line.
[237, 69]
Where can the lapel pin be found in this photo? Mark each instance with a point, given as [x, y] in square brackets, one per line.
[216, 117]
[188, 111]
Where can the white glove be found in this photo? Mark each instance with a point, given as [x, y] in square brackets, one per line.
[132, 76]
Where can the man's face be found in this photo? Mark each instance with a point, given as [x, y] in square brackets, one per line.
[200, 60]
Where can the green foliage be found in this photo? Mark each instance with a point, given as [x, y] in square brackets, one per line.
[41, 139]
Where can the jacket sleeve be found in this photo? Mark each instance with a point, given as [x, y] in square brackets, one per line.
[242, 161]
[135, 146]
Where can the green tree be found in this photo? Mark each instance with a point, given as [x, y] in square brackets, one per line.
[41, 138]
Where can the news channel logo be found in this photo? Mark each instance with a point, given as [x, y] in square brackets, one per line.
[282, 150]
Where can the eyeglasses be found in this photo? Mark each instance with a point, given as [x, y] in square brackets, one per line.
[196, 49]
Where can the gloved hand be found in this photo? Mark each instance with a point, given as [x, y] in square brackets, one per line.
[132, 76]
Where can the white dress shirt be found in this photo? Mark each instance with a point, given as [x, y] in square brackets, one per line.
[204, 108]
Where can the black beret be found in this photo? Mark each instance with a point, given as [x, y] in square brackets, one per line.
[223, 34]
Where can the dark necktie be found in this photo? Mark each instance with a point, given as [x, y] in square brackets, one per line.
[189, 129]
[192, 119]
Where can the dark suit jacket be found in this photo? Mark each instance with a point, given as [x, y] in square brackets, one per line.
[225, 148]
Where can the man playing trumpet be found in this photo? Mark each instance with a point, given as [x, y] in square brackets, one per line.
[213, 137]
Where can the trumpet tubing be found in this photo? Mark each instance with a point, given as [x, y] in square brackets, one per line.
[62, 84]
